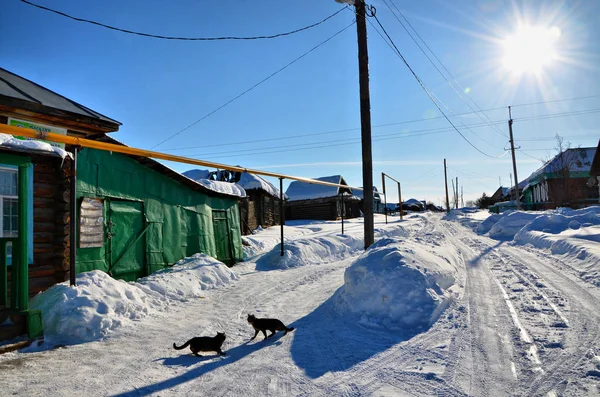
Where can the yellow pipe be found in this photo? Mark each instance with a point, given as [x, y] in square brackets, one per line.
[71, 140]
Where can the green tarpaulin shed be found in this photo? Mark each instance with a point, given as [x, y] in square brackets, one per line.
[137, 216]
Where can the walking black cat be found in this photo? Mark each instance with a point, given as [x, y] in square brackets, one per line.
[204, 344]
[267, 324]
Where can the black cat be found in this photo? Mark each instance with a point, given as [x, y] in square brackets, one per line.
[204, 344]
[267, 324]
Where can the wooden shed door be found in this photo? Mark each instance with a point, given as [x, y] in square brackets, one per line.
[222, 237]
[126, 252]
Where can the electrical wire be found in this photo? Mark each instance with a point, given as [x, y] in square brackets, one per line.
[253, 87]
[427, 90]
[376, 138]
[155, 36]
[556, 100]
[496, 129]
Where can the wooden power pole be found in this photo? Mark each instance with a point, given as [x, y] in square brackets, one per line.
[514, 161]
[365, 121]
[446, 182]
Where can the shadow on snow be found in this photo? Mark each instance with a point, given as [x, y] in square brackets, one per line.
[325, 341]
[208, 363]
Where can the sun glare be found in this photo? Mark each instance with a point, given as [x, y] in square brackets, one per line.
[530, 49]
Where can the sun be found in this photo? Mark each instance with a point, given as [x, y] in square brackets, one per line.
[531, 49]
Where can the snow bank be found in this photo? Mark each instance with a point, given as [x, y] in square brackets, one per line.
[510, 223]
[575, 234]
[396, 284]
[311, 251]
[99, 304]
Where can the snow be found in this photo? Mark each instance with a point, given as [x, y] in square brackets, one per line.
[250, 181]
[439, 305]
[99, 304]
[396, 284]
[231, 189]
[196, 174]
[576, 159]
[31, 144]
[307, 191]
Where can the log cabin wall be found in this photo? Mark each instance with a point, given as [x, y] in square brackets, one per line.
[50, 220]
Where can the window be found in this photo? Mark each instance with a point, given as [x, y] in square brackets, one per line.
[9, 202]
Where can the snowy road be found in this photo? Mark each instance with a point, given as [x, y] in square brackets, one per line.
[523, 323]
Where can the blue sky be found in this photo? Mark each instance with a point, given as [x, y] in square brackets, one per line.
[156, 88]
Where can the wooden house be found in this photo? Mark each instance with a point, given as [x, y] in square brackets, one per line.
[562, 181]
[378, 205]
[310, 201]
[262, 204]
[500, 194]
[134, 215]
[595, 170]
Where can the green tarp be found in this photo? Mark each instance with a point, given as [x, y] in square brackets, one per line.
[150, 220]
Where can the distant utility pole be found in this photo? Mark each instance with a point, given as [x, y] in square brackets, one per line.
[365, 121]
[453, 193]
[512, 149]
[446, 182]
[462, 199]
[456, 194]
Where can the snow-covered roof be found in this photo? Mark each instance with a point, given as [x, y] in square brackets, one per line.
[307, 191]
[196, 174]
[32, 145]
[251, 181]
[232, 189]
[359, 193]
[577, 160]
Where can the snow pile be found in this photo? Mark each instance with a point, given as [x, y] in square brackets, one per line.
[31, 144]
[190, 276]
[99, 304]
[228, 188]
[250, 181]
[574, 233]
[311, 251]
[488, 223]
[510, 223]
[396, 284]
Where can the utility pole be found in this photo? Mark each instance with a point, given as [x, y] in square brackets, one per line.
[446, 182]
[512, 149]
[365, 121]
[456, 194]
[462, 199]
[384, 196]
[453, 193]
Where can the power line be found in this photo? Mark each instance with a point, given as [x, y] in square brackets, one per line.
[562, 114]
[427, 90]
[155, 36]
[439, 129]
[556, 100]
[380, 137]
[253, 87]
[496, 129]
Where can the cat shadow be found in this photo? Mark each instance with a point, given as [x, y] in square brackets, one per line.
[326, 341]
[207, 364]
[184, 360]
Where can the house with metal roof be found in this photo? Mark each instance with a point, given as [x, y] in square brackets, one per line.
[310, 201]
[262, 205]
[563, 181]
[128, 216]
